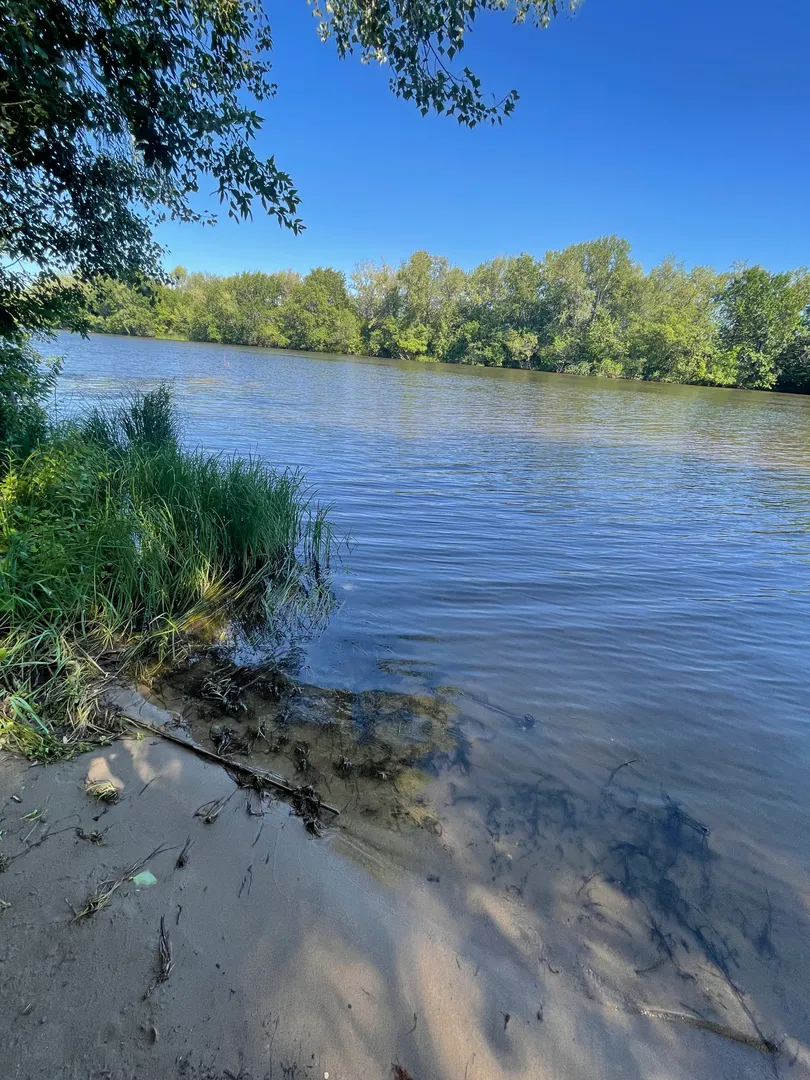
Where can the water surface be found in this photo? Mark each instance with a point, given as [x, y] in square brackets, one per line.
[628, 563]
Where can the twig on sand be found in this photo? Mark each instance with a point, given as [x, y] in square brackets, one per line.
[247, 882]
[182, 858]
[210, 811]
[756, 1042]
[265, 778]
[165, 961]
[148, 782]
[105, 890]
[7, 860]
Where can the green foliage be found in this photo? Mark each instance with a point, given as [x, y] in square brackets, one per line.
[589, 291]
[761, 318]
[109, 116]
[589, 309]
[420, 40]
[672, 331]
[317, 314]
[121, 309]
[793, 365]
[112, 537]
[521, 347]
[25, 379]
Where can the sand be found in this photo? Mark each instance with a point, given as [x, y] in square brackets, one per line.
[294, 956]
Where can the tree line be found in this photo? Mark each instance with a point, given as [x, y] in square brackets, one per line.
[589, 309]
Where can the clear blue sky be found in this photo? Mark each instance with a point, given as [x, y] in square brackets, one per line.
[680, 124]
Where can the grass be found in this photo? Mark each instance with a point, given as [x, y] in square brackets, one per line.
[119, 548]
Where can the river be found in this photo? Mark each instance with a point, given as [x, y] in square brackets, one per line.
[626, 564]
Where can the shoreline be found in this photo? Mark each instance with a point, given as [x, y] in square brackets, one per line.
[619, 380]
[297, 953]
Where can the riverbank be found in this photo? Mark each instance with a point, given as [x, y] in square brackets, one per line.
[589, 309]
[291, 955]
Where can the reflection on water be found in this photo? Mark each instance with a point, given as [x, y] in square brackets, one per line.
[627, 564]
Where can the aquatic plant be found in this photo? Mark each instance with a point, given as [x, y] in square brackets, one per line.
[119, 548]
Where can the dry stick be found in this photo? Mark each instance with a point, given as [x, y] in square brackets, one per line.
[630, 761]
[235, 766]
[758, 1042]
[165, 960]
[210, 811]
[182, 858]
[148, 782]
[35, 844]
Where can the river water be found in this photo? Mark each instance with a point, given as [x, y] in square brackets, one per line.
[625, 563]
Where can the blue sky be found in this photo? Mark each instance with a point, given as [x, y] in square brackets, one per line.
[680, 124]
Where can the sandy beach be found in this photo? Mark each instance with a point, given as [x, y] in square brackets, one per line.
[293, 956]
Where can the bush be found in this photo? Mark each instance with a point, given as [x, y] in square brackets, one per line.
[25, 379]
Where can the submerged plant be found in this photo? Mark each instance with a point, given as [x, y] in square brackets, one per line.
[119, 548]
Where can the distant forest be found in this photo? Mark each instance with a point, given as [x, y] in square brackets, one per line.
[587, 310]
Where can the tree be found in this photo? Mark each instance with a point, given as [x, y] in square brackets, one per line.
[374, 291]
[521, 347]
[588, 293]
[672, 334]
[419, 41]
[318, 315]
[121, 309]
[793, 368]
[428, 288]
[110, 113]
[589, 309]
[411, 312]
[761, 316]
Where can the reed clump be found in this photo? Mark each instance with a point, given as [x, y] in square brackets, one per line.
[120, 547]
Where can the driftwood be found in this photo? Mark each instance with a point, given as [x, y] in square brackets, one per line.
[271, 779]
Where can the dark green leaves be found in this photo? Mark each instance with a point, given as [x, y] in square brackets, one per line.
[418, 39]
[110, 112]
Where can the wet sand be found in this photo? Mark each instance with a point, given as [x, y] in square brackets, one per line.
[297, 956]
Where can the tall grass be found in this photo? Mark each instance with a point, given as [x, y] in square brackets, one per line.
[120, 547]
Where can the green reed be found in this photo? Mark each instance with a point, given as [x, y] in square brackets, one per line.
[120, 548]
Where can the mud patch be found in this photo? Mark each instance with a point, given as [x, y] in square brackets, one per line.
[370, 753]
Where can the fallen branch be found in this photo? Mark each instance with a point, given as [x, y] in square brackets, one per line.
[268, 778]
